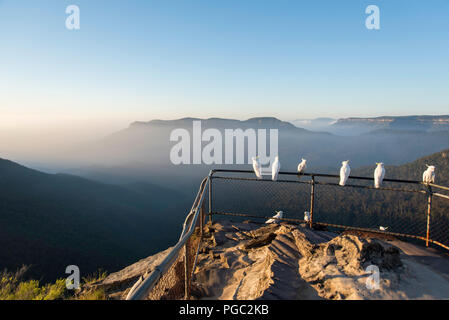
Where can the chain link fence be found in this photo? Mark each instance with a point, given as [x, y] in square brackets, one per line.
[439, 221]
[175, 282]
[398, 208]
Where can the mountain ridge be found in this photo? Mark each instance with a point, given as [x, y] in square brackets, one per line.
[271, 122]
[415, 122]
[50, 221]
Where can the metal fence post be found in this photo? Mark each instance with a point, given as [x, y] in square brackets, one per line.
[429, 209]
[186, 273]
[210, 198]
[202, 210]
[312, 201]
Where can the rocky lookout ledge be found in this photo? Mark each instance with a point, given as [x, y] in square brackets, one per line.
[247, 260]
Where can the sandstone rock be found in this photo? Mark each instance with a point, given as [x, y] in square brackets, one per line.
[282, 261]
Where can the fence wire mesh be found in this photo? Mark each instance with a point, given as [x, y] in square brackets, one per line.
[260, 197]
[400, 208]
[174, 284]
[398, 212]
[171, 285]
[439, 221]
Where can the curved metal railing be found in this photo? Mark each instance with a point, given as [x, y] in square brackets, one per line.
[143, 285]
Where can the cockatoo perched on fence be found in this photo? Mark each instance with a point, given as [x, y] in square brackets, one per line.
[306, 216]
[256, 167]
[275, 169]
[379, 175]
[302, 166]
[429, 175]
[278, 215]
[344, 172]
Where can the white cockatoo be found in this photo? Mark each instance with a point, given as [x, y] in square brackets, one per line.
[344, 172]
[383, 228]
[275, 169]
[429, 175]
[278, 215]
[256, 167]
[379, 174]
[302, 166]
[306, 216]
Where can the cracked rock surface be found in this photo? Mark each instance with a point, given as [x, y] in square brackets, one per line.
[244, 260]
[281, 261]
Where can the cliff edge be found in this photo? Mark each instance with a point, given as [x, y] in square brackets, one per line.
[282, 261]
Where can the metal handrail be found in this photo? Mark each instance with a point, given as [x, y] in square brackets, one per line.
[143, 286]
[322, 183]
[325, 175]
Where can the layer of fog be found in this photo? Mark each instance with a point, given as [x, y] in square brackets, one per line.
[142, 153]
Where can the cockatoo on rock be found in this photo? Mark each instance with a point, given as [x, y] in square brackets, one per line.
[278, 215]
[379, 175]
[344, 172]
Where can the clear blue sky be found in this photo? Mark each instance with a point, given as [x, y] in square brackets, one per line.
[139, 60]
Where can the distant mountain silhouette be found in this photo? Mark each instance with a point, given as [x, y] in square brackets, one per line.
[50, 221]
[414, 123]
[259, 122]
[143, 149]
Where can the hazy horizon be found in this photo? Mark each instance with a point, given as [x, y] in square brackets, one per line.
[20, 142]
[61, 89]
[148, 60]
